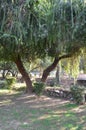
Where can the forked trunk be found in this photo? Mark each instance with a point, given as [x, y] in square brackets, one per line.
[29, 87]
[49, 69]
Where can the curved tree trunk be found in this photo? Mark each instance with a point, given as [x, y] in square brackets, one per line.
[19, 64]
[52, 66]
[49, 69]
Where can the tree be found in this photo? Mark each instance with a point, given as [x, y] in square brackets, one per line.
[66, 31]
[8, 67]
[18, 25]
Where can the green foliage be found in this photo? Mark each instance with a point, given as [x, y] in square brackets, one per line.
[39, 87]
[2, 84]
[78, 94]
[72, 66]
[10, 81]
[83, 63]
[18, 27]
[8, 67]
[52, 27]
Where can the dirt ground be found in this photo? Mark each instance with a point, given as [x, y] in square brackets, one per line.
[19, 111]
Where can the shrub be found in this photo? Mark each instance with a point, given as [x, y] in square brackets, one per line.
[78, 94]
[2, 84]
[10, 82]
[39, 87]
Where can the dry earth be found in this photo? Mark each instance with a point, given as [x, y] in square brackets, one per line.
[28, 112]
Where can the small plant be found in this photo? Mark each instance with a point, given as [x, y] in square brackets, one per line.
[39, 87]
[10, 81]
[2, 84]
[78, 94]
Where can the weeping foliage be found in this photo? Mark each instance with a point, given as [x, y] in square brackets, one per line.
[36, 28]
[18, 26]
[64, 26]
[73, 66]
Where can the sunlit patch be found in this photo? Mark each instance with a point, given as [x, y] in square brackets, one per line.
[4, 91]
[78, 110]
[25, 123]
[6, 102]
[60, 112]
[43, 117]
[26, 97]
[7, 92]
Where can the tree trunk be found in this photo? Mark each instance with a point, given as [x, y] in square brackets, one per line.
[3, 74]
[52, 66]
[29, 87]
[49, 69]
[58, 74]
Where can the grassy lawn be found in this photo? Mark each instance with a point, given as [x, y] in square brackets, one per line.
[19, 111]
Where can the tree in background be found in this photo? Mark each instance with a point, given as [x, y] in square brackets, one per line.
[8, 67]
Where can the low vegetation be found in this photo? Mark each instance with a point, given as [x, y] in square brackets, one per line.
[78, 93]
[38, 88]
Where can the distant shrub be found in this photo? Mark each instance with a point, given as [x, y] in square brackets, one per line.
[78, 94]
[2, 84]
[39, 87]
[10, 82]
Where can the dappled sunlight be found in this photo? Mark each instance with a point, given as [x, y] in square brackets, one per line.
[79, 109]
[26, 96]
[18, 85]
[29, 111]
[5, 91]
[45, 103]
[44, 117]
[59, 112]
[6, 102]
[8, 92]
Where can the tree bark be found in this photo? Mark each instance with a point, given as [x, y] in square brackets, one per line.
[58, 75]
[49, 69]
[19, 64]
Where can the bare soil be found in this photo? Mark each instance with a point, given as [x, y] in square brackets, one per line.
[19, 111]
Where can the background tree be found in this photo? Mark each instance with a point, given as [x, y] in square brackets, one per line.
[8, 67]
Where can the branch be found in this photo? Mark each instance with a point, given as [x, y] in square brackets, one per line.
[65, 56]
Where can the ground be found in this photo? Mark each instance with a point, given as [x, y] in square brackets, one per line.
[19, 111]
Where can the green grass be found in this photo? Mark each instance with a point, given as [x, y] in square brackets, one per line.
[26, 112]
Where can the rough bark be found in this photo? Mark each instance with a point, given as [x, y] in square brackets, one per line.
[53, 66]
[19, 64]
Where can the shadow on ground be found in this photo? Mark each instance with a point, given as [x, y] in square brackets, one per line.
[28, 112]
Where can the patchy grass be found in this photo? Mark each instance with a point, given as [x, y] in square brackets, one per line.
[19, 111]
